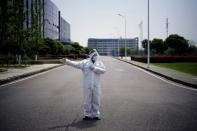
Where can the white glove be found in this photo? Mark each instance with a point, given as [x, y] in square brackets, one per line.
[92, 67]
[63, 61]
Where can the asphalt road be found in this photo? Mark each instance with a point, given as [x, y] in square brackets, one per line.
[132, 100]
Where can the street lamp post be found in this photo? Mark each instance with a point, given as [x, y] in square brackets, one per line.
[148, 57]
[118, 47]
[118, 41]
[125, 33]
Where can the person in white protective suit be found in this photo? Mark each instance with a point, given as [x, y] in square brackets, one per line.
[92, 68]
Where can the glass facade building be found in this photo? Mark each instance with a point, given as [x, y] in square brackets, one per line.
[52, 24]
[51, 20]
[64, 32]
[37, 6]
[27, 10]
[109, 47]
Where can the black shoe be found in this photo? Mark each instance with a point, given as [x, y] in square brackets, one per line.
[86, 118]
[96, 118]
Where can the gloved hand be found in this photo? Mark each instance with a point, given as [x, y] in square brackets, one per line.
[92, 67]
[63, 60]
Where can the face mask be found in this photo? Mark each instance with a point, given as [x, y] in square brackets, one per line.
[94, 59]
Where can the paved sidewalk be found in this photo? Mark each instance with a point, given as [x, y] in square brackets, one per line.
[176, 76]
[17, 73]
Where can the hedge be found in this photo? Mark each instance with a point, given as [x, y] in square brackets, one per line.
[165, 59]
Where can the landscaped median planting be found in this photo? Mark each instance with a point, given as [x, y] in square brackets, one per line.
[186, 67]
[165, 59]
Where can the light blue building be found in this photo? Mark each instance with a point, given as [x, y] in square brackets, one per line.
[112, 47]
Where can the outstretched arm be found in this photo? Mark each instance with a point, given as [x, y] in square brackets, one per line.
[78, 65]
[100, 69]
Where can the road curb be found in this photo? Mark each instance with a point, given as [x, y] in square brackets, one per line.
[13, 78]
[162, 75]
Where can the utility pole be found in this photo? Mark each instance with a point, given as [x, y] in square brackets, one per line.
[148, 57]
[125, 26]
[118, 47]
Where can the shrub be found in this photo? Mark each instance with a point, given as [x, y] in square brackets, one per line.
[166, 59]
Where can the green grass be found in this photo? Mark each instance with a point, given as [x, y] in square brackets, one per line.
[190, 68]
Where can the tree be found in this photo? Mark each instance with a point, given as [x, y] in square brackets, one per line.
[11, 26]
[192, 49]
[51, 46]
[178, 43]
[54, 47]
[68, 49]
[145, 44]
[60, 48]
[128, 51]
[86, 50]
[77, 48]
[170, 51]
[158, 46]
[36, 37]
[122, 51]
[4, 18]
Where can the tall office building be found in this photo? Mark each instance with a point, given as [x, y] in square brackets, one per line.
[27, 10]
[109, 47]
[34, 14]
[37, 15]
[64, 30]
[49, 20]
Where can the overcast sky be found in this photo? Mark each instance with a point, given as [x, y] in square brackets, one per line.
[99, 19]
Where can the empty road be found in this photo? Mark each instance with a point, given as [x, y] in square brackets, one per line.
[132, 100]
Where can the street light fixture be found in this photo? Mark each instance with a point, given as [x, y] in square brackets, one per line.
[125, 33]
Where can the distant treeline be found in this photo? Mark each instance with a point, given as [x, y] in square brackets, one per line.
[172, 45]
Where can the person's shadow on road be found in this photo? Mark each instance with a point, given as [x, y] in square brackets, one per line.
[81, 124]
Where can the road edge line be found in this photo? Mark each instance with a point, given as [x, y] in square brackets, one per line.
[190, 85]
[18, 77]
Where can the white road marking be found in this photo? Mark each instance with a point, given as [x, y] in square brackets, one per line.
[29, 77]
[167, 81]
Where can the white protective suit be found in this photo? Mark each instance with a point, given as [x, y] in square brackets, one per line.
[91, 83]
